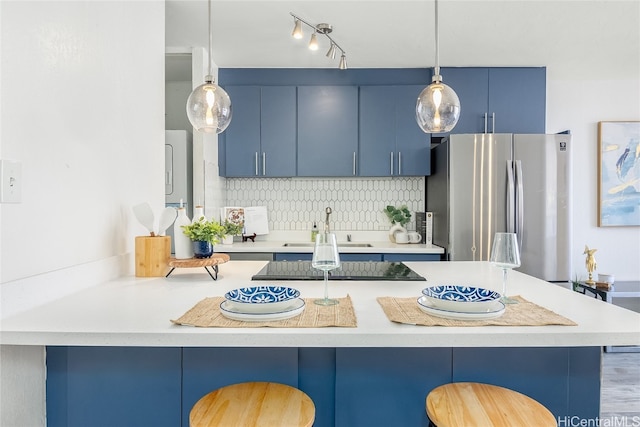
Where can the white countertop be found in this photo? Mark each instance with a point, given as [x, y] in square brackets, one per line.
[134, 311]
[376, 247]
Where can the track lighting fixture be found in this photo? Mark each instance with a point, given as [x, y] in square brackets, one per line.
[323, 29]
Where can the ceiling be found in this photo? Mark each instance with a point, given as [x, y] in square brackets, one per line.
[400, 34]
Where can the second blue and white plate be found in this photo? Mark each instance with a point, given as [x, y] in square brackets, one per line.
[494, 311]
[262, 299]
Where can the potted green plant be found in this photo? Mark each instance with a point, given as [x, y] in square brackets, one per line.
[399, 216]
[204, 234]
[230, 229]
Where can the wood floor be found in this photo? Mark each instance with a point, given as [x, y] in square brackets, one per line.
[620, 392]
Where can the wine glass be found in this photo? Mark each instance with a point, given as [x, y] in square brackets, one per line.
[506, 255]
[325, 258]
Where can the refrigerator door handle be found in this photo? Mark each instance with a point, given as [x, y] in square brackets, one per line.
[519, 201]
[511, 194]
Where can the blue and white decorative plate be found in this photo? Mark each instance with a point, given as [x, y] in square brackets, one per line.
[461, 298]
[228, 310]
[496, 309]
[262, 299]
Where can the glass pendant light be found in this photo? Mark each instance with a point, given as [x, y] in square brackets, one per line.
[438, 106]
[209, 106]
[313, 43]
[297, 30]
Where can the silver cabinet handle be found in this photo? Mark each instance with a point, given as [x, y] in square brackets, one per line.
[354, 163]
[519, 202]
[264, 163]
[399, 162]
[485, 122]
[493, 122]
[511, 198]
[256, 163]
[392, 163]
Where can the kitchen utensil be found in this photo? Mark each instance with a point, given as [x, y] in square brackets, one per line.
[144, 215]
[167, 216]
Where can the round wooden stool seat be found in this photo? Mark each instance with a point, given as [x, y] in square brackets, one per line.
[254, 404]
[474, 404]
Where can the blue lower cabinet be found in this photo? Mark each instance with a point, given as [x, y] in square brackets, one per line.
[113, 386]
[387, 386]
[410, 257]
[350, 387]
[302, 256]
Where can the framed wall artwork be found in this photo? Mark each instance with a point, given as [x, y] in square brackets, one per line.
[618, 174]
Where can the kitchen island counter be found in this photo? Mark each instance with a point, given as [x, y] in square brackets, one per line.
[110, 344]
[134, 311]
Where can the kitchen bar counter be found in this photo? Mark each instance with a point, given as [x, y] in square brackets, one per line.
[134, 311]
[110, 344]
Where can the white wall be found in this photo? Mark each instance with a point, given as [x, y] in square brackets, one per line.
[577, 99]
[82, 108]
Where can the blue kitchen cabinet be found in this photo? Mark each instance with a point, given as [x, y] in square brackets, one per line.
[327, 130]
[391, 142]
[306, 256]
[261, 138]
[498, 99]
[400, 257]
[113, 386]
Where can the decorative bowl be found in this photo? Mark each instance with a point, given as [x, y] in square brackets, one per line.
[461, 298]
[262, 299]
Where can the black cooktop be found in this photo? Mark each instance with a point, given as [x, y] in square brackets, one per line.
[349, 270]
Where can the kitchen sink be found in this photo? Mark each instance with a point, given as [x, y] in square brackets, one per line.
[340, 245]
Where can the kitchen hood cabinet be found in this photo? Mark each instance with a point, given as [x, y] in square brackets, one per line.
[391, 142]
[327, 130]
[499, 99]
[261, 138]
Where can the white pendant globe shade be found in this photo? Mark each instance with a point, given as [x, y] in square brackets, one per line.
[437, 108]
[209, 108]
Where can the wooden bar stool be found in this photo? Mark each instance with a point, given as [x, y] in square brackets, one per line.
[468, 404]
[254, 404]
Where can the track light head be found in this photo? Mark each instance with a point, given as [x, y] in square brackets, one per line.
[313, 43]
[297, 30]
[331, 53]
[343, 62]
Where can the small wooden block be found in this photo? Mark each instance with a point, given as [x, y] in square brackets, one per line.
[152, 255]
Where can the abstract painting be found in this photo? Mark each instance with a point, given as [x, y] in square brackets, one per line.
[618, 174]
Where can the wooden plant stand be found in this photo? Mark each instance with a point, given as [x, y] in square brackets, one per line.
[200, 262]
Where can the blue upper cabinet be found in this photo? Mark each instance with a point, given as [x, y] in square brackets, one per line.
[391, 142]
[327, 130]
[261, 138]
[517, 100]
[499, 100]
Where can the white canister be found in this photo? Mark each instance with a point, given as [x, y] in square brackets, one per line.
[182, 242]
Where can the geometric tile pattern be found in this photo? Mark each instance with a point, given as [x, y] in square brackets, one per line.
[356, 203]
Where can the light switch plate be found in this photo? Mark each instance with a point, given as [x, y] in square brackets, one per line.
[11, 181]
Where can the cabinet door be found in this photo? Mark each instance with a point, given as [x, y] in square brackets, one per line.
[278, 131]
[242, 137]
[517, 97]
[472, 87]
[377, 131]
[413, 146]
[327, 130]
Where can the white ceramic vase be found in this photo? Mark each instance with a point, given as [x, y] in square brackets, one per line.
[227, 240]
[182, 242]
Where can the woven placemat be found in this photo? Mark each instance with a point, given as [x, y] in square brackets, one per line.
[206, 314]
[525, 313]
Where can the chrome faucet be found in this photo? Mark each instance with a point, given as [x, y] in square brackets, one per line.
[327, 229]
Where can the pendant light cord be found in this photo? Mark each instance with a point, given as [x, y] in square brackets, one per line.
[210, 44]
[437, 43]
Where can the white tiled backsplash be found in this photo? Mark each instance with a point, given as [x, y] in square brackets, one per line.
[357, 203]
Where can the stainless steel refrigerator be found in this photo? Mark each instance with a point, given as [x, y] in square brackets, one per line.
[481, 184]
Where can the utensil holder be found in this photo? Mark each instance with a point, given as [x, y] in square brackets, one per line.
[152, 255]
